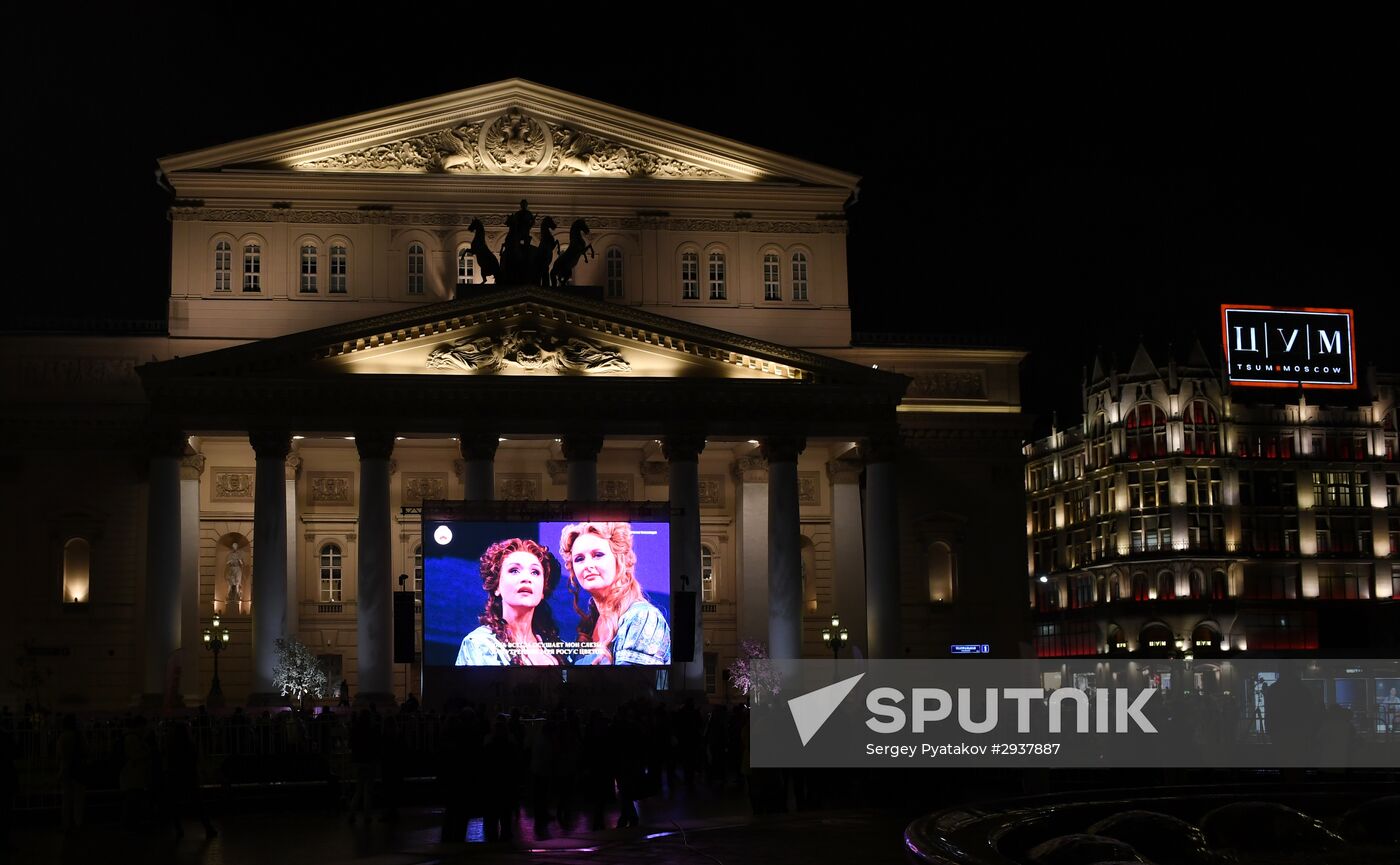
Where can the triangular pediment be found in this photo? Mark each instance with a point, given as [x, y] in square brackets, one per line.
[527, 332]
[511, 128]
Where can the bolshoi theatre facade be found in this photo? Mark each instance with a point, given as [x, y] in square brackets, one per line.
[336, 355]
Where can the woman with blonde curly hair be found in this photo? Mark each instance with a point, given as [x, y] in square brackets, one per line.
[518, 577]
[617, 618]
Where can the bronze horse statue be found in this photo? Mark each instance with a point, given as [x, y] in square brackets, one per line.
[579, 248]
[486, 262]
[544, 253]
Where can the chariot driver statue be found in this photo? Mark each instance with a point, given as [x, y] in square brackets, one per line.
[517, 253]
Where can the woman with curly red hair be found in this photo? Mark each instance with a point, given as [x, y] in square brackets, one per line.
[518, 577]
[617, 618]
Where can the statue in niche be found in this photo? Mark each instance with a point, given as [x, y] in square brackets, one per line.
[233, 575]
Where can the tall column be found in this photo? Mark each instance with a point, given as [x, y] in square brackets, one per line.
[882, 546]
[751, 520]
[479, 461]
[784, 547]
[191, 468]
[682, 452]
[162, 558]
[848, 550]
[581, 450]
[269, 594]
[293, 572]
[374, 584]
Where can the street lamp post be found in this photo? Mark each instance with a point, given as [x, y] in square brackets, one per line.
[835, 637]
[216, 640]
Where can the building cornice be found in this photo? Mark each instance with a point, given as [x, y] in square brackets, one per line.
[462, 220]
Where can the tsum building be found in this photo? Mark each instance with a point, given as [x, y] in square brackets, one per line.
[333, 358]
[1184, 517]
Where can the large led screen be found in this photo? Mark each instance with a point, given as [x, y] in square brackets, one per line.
[536, 593]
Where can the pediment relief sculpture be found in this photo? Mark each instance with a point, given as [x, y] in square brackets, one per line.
[513, 143]
[528, 351]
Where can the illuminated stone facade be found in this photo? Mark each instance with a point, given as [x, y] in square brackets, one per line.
[331, 358]
[1181, 516]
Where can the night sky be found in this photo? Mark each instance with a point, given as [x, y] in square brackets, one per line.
[1018, 190]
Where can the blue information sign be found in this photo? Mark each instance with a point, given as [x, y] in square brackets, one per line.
[971, 649]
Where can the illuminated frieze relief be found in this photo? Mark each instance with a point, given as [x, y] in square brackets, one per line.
[527, 350]
[513, 143]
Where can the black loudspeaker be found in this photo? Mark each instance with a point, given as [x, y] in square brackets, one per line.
[683, 627]
[403, 628]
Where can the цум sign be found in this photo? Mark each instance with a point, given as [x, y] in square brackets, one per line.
[1270, 347]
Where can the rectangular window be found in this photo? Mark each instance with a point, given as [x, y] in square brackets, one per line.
[1343, 582]
[223, 267]
[718, 290]
[711, 660]
[799, 277]
[614, 273]
[1203, 486]
[308, 269]
[690, 276]
[338, 269]
[1207, 530]
[1151, 532]
[1261, 584]
[466, 268]
[1392, 490]
[252, 267]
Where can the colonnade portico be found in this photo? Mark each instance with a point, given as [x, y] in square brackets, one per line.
[666, 381]
[778, 585]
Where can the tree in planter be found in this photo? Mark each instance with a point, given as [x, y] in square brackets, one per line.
[299, 673]
[754, 680]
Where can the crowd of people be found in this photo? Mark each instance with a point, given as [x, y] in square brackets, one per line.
[559, 768]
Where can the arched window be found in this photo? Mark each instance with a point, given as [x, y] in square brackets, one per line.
[799, 276]
[613, 272]
[772, 282]
[1103, 590]
[1117, 640]
[223, 266]
[1205, 639]
[707, 574]
[77, 570]
[1197, 585]
[690, 276]
[1166, 586]
[718, 278]
[1140, 592]
[252, 267]
[339, 269]
[466, 267]
[1219, 586]
[330, 574]
[1115, 587]
[418, 573]
[941, 572]
[1201, 428]
[1156, 640]
[417, 265]
[1147, 432]
[308, 268]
